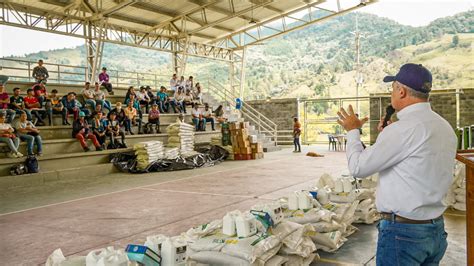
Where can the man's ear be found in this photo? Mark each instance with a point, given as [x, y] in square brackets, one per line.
[402, 92]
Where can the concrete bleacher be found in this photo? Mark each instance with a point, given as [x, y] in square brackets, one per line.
[63, 156]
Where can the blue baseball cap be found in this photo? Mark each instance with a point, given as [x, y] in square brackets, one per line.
[82, 114]
[414, 76]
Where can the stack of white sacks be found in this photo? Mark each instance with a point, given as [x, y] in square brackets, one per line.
[456, 196]
[171, 153]
[148, 152]
[181, 135]
[217, 141]
[285, 232]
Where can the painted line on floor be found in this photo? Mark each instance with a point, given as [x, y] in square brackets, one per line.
[129, 189]
[198, 193]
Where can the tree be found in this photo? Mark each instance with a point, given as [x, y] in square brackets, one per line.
[455, 40]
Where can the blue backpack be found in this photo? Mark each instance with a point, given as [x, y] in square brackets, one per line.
[31, 164]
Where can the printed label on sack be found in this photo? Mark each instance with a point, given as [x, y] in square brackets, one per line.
[311, 233]
[181, 254]
[330, 207]
[232, 241]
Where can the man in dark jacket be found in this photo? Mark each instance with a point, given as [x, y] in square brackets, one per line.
[81, 131]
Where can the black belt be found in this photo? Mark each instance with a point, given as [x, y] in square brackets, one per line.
[399, 219]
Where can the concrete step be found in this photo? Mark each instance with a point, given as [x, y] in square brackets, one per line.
[67, 154]
[70, 145]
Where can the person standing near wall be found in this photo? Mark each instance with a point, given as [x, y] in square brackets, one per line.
[296, 134]
[415, 159]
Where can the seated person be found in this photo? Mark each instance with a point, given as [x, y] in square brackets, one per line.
[150, 94]
[179, 99]
[207, 115]
[99, 127]
[197, 93]
[40, 93]
[114, 129]
[71, 105]
[5, 104]
[88, 95]
[32, 104]
[174, 82]
[188, 98]
[99, 97]
[219, 114]
[104, 80]
[54, 105]
[143, 99]
[17, 103]
[130, 91]
[26, 131]
[7, 136]
[132, 118]
[153, 119]
[189, 83]
[119, 114]
[198, 120]
[164, 101]
[81, 131]
[136, 105]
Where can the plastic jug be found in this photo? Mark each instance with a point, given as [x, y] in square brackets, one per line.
[323, 196]
[305, 200]
[173, 252]
[293, 201]
[155, 242]
[228, 224]
[246, 225]
[347, 184]
[338, 186]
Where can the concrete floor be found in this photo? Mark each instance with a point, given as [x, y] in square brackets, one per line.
[118, 209]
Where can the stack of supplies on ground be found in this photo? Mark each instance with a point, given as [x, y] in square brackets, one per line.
[230, 150]
[148, 152]
[171, 153]
[217, 141]
[245, 146]
[456, 196]
[181, 135]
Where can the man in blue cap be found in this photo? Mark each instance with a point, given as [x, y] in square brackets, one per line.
[414, 158]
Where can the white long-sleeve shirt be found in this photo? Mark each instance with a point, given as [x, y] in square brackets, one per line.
[415, 159]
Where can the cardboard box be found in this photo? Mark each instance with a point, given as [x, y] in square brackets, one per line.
[257, 156]
[243, 131]
[244, 124]
[257, 147]
[243, 156]
[233, 140]
[234, 126]
[247, 150]
[143, 255]
[243, 143]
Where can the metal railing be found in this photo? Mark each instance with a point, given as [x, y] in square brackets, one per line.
[262, 123]
[22, 70]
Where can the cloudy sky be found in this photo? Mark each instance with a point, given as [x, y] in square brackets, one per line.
[17, 41]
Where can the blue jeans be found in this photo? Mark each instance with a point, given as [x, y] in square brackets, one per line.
[31, 141]
[28, 113]
[104, 103]
[12, 144]
[200, 124]
[411, 244]
[90, 102]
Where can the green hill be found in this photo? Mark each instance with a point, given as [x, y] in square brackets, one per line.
[318, 61]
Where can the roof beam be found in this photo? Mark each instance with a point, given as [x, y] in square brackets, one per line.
[116, 8]
[222, 10]
[269, 7]
[231, 16]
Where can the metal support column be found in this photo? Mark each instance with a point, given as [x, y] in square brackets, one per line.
[237, 72]
[94, 48]
[180, 55]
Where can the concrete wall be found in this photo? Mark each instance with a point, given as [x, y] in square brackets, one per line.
[443, 102]
[280, 111]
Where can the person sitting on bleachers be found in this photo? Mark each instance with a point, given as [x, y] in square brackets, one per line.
[105, 81]
[188, 100]
[181, 83]
[197, 93]
[26, 131]
[198, 120]
[114, 129]
[8, 137]
[88, 95]
[136, 105]
[207, 115]
[179, 99]
[189, 83]
[119, 114]
[150, 95]
[99, 127]
[132, 118]
[54, 105]
[33, 105]
[17, 103]
[40, 93]
[5, 104]
[99, 97]
[219, 114]
[143, 99]
[153, 119]
[130, 91]
[71, 105]
[163, 100]
[81, 131]
[40, 73]
[174, 83]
